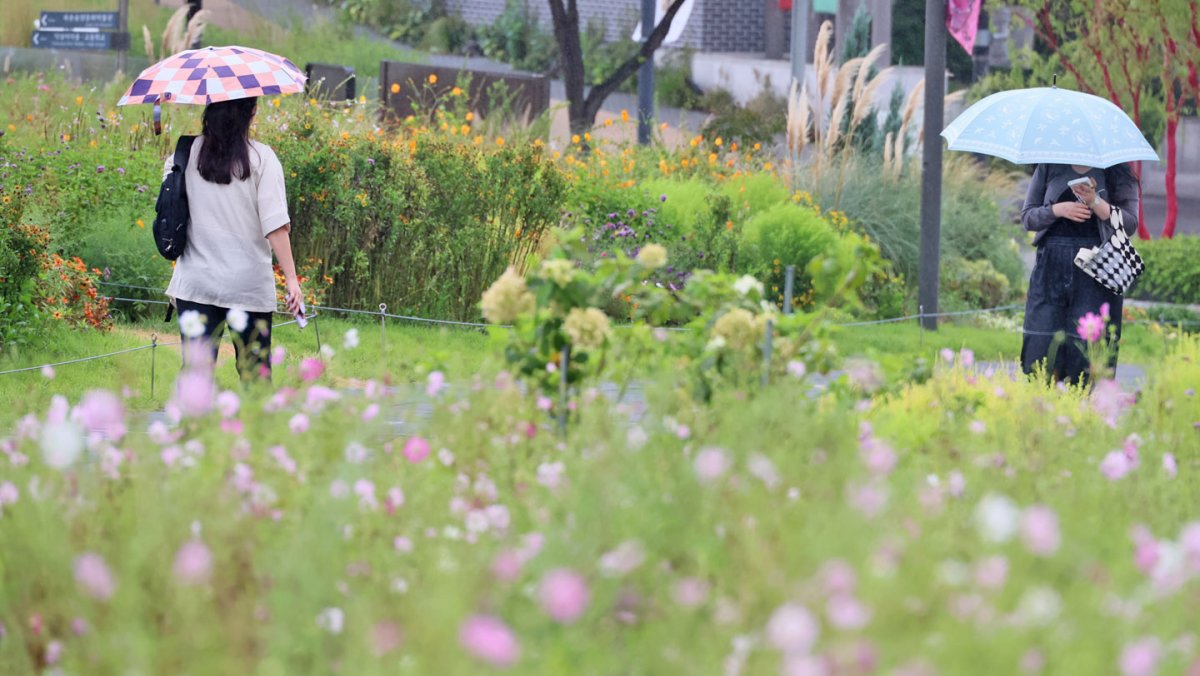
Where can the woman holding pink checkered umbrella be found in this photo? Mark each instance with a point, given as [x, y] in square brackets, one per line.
[236, 202]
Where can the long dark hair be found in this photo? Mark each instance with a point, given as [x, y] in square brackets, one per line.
[225, 154]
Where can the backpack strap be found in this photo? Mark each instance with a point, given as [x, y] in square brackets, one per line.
[183, 152]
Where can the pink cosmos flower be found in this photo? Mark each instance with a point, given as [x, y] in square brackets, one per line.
[228, 404]
[992, 572]
[847, 612]
[93, 575]
[564, 595]
[8, 493]
[193, 563]
[507, 565]
[1168, 463]
[395, 499]
[796, 369]
[1115, 465]
[1141, 657]
[1146, 552]
[956, 483]
[277, 356]
[370, 412]
[947, 355]
[102, 413]
[868, 499]
[710, 464]
[48, 372]
[804, 665]
[402, 544]
[623, 560]
[298, 424]
[311, 369]
[877, 455]
[967, 357]
[690, 592]
[489, 640]
[54, 651]
[435, 383]
[1104, 309]
[977, 427]
[544, 403]
[416, 449]
[1109, 401]
[1039, 530]
[838, 577]
[386, 636]
[1090, 327]
[195, 392]
[792, 629]
[79, 627]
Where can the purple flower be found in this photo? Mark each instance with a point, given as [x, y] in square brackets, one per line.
[662, 198]
[371, 161]
[100, 169]
[121, 170]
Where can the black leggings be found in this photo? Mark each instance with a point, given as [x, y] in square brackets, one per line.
[252, 345]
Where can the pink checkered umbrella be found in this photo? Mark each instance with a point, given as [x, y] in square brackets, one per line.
[212, 74]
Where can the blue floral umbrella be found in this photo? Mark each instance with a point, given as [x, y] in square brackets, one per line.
[1051, 126]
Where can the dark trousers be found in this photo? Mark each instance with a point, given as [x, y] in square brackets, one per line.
[1059, 294]
[252, 345]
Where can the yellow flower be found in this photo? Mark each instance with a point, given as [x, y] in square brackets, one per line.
[767, 166]
[466, 129]
[345, 136]
[720, 142]
[66, 138]
[470, 116]
[361, 99]
[79, 100]
[624, 115]
[6, 199]
[575, 138]
[141, 223]
[395, 89]
[587, 329]
[92, 143]
[587, 137]
[312, 102]
[478, 140]
[432, 78]
[652, 256]
[507, 298]
[758, 146]
[608, 122]
[457, 91]
[500, 141]
[12, 127]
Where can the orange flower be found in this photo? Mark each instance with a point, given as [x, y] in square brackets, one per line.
[432, 79]
[395, 88]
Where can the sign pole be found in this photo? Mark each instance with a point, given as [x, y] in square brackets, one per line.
[646, 78]
[931, 173]
[800, 53]
[123, 27]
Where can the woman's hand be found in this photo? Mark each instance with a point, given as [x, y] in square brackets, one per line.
[1086, 192]
[1073, 211]
[294, 296]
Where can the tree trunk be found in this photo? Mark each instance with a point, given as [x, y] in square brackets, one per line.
[566, 33]
[1168, 230]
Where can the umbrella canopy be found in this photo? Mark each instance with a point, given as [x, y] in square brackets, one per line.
[1049, 125]
[212, 74]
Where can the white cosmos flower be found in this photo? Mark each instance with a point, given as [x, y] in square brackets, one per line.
[237, 319]
[191, 324]
[997, 518]
[61, 444]
[745, 284]
[350, 340]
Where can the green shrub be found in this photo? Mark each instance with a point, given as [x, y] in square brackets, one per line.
[1172, 270]
[754, 193]
[972, 284]
[120, 244]
[888, 211]
[423, 226]
[781, 236]
[516, 38]
[759, 121]
[686, 202]
[673, 84]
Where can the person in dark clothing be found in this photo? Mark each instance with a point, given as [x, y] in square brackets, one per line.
[1065, 220]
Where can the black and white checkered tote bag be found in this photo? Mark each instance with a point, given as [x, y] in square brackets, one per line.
[1115, 263]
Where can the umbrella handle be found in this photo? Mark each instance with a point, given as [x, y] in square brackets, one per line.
[157, 119]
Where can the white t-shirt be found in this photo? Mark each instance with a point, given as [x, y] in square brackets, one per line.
[227, 261]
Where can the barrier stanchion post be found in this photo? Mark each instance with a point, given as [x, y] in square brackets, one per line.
[153, 352]
[564, 361]
[317, 330]
[383, 327]
[766, 370]
[920, 318]
[789, 281]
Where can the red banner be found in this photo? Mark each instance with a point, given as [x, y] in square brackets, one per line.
[785, 5]
[962, 20]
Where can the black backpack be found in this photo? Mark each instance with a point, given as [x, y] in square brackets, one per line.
[172, 215]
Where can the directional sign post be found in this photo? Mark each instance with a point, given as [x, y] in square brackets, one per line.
[93, 31]
[101, 20]
[93, 40]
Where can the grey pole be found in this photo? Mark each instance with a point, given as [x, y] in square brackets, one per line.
[800, 11]
[767, 349]
[123, 27]
[383, 327]
[931, 176]
[789, 283]
[646, 78]
[564, 362]
[773, 22]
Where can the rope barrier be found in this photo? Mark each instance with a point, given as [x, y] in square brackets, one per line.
[382, 314]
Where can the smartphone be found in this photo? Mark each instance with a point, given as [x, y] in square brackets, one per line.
[301, 319]
[1079, 181]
